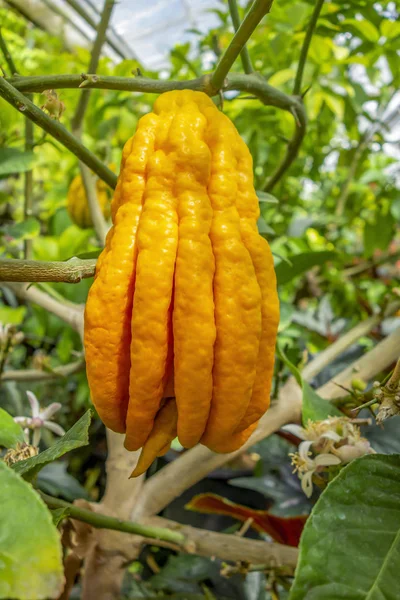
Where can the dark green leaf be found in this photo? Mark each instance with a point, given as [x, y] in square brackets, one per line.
[55, 480]
[10, 432]
[13, 161]
[315, 408]
[30, 548]
[351, 543]
[74, 438]
[302, 263]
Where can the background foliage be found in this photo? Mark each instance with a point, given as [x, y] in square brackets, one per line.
[332, 221]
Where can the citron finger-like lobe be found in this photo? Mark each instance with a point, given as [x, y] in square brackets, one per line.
[237, 294]
[160, 438]
[108, 312]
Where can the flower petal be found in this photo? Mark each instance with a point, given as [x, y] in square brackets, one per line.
[332, 435]
[325, 460]
[296, 430]
[306, 483]
[50, 410]
[37, 434]
[304, 450]
[54, 427]
[33, 401]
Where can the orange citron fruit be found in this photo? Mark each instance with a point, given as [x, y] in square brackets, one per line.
[185, 288]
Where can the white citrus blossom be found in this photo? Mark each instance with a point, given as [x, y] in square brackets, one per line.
[305, 466]
[40, 419]
[333, 441]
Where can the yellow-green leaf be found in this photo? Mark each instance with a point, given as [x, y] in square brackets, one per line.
[30, 548]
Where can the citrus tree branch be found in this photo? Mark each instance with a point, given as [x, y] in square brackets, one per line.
[292, 149]
[244, 53]
[58, 131]
[69, 271]
[101, 521]
[77, 119]
[230, 547]
[257, 11]
[369, 365]
[70, 314]
[40, 375]
[7, 56]
[324, 358]
[193, 465]
[253, 84]
[77, 6]
[89, 185]
[305, 47]
[28, 182]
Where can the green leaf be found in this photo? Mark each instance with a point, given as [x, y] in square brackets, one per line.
[13, 161]
[316, 408]
[263, 228]
[11, 315]
[30, 549]
[74, 438]
[350, 545]
[10, 432]
[390, 29]
[302, 262]
[365, 28]
[281, 77]
[266, 197]
[59, 514]
[25, 230]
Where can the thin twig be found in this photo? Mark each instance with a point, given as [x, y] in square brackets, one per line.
[28, 181]
[77, 119]
[69, 271]
[66, 18]
[105, 522]
[7, 56]
[244, 53]
[369, 365]
[77, 6]
[305, 47]
[292, 149]
[96, 213]
[39, 375]
[257, 11]
[69, 314]
[253, 84]
[327, 356]
[32, 112]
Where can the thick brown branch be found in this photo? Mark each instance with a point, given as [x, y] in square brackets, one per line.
[230, 547]
[70, 271]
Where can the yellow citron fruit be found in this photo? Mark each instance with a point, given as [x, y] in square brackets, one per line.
[184, 296]
[77, 204]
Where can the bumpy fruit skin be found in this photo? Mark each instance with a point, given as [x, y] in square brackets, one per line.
[77, 204]
[184, 296]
